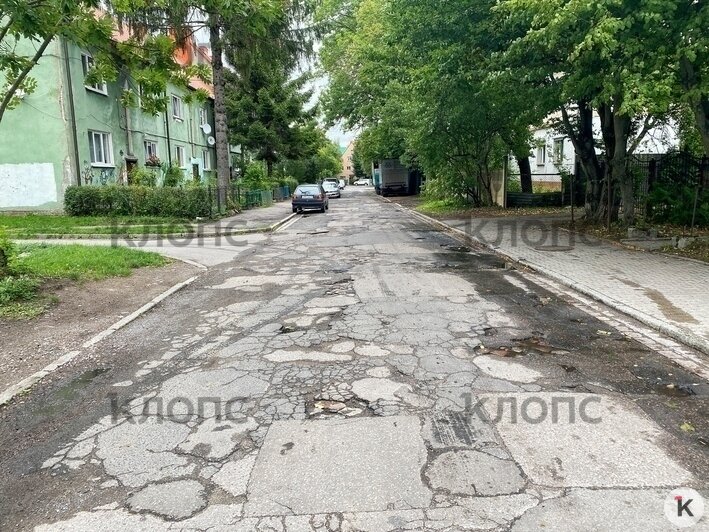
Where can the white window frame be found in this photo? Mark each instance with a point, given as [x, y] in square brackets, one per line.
[180, 156]
[106, 145]
[203, 116]
[558, 150]
[541, 154]
[206, 160]
[177, 110]
[150, 151]
[87, 63]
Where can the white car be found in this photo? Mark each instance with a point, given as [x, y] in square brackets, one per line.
[331, 189]
[363, 182]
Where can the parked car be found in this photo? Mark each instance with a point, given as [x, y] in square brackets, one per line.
[331, 189]
[343, 184]
[363, 182]
[310, 197]
[331, 180]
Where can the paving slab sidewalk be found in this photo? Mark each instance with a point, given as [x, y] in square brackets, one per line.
[667, 293]
[251, 219]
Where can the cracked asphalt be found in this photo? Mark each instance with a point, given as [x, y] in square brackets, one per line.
[359, 370]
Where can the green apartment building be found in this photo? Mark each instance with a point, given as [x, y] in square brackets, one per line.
[67, 133]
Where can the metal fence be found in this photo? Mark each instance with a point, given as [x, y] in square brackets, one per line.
[677, 172]
[235, 197]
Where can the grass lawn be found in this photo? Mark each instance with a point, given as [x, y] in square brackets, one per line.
[460, 209]
[31, 265]
[28, 225]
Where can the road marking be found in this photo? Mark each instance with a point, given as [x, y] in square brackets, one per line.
[288, 224]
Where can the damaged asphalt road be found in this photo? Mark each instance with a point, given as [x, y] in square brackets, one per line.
[358, 371]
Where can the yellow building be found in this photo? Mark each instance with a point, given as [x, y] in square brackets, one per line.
[347, 162]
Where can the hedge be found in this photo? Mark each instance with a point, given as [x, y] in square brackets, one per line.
[132, 200]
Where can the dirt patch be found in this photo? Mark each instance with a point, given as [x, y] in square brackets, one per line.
[82, 311]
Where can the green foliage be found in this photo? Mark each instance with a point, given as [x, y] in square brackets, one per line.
[174, 176]
[187, 202]
[13, 289]
[674, 204]
[149, 57]
[7, 250]
[143, 176]
[514, 185]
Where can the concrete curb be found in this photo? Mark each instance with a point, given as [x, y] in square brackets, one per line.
[156, 236]
[681, 335]
[25, 384]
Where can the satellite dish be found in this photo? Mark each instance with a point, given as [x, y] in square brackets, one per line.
[211, 141]
[206, 129]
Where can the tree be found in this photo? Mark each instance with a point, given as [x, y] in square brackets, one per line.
[598, 55]
[38, 22]
[27, 29]
[265, 112]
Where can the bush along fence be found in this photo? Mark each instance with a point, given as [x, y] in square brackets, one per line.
[188, 202]
[224, 199]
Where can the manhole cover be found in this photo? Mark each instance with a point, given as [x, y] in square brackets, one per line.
[554, 248]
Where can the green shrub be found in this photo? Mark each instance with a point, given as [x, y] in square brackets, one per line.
[17, 289]
[143, 176]
[7, 251]
[674, 204]
[289, 182]
[514, 185]
[174, 176]
[116, 200]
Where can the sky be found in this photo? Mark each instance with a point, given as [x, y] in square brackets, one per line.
[337, 133]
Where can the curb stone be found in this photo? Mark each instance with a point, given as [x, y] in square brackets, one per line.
[690, 339]
[155, 236]
[25, 384]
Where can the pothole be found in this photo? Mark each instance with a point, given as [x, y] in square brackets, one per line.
[320, 407]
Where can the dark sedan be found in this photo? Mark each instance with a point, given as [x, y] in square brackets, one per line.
[310, 197]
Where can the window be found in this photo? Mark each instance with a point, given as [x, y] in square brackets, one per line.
[180, 156]
[541, 155]
[202, 116]
[177, 107]
[559, 151]
[101, 148]
[206, 160]
[87, 63]
[151, 149]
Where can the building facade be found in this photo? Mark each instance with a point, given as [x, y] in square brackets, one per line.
[69, 132]
[553, 153]
[348, 162]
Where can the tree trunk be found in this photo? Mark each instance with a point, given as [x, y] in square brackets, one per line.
[525, 174]
[220, 117]
[269, 167]
[581, 137]
[618, 163]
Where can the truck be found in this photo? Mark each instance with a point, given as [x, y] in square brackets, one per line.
[393, 178]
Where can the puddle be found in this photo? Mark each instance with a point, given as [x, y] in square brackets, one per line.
[535, 343]
[69, 391]
[459, 249]
[554, 248]
[674, 390]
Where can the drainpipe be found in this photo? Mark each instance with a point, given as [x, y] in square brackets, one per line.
[129, 129]
[72, 111]
[167, 136]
